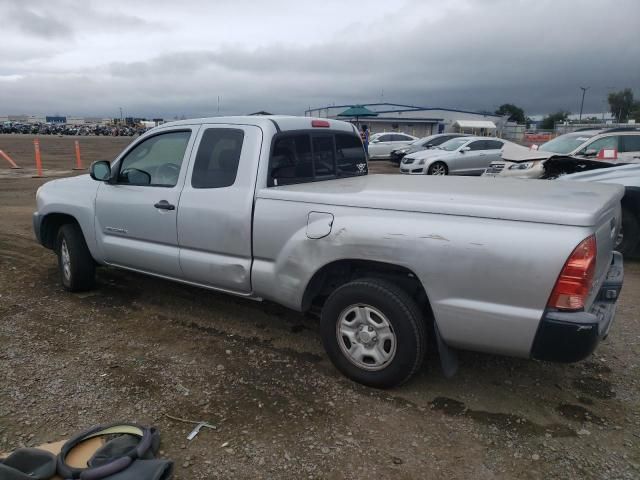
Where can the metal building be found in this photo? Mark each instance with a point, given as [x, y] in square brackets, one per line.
[418, 121]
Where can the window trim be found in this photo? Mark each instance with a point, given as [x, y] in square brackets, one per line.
[115, 174]
[311, 133]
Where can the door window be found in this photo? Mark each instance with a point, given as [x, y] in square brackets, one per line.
[477, 145]
[218, 157]
[385, 138]
[493, 145]
[597, 145]
[155, 161]
[630, 143]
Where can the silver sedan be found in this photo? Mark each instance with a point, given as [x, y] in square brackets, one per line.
[459, 156]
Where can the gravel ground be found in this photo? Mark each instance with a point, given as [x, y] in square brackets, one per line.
[139, 348]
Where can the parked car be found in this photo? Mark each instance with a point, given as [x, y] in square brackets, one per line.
[381, 144]
[282, 209]
[629, 177]
[424, 143]
[459, 156]
[584, 144]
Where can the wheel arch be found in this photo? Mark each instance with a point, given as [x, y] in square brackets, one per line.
[50, 225]
[429, 164]
[336, 273]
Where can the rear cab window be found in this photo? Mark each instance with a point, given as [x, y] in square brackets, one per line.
[300, 157]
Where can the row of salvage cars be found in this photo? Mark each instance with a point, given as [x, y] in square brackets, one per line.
[590, 155]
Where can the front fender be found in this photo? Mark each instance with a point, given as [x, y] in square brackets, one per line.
[74, 196]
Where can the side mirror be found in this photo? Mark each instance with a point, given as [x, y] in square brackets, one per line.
[100, 171]
[590, 152]
[465, 149]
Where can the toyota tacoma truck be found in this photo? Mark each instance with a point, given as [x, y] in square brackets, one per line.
[283, 209]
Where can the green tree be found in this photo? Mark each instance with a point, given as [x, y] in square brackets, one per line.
[549, 122]
[621, 104]
[516, 114]
[635, 112]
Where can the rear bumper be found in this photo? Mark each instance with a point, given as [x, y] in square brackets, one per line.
[572, 336]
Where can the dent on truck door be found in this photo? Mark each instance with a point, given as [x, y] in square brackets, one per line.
[136, 215]
[215, 215]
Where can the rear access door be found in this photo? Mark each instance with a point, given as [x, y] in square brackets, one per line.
[216, 205]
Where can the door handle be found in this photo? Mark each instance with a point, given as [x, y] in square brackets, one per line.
[164, 205]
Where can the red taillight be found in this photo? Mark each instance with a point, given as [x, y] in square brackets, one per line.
[575, 280]
[320, 123]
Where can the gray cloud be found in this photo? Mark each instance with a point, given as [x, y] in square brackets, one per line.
[42, 24]
[470, 55]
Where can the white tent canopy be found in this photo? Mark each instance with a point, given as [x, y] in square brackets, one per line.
[487, 124]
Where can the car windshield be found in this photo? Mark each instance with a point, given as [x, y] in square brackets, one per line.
[453, 144]
[565, 143]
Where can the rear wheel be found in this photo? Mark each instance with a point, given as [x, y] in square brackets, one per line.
[76, 265]
[373, 332]
[437, 168]
[630, 243]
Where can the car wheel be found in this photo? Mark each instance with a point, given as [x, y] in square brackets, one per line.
[630, 233]
[373, 332]
[438, 168]
[76, 265]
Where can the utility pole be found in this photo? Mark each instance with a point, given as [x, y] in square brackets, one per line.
[584, 90]
[121, 118]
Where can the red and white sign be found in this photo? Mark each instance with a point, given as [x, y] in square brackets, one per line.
[608, 154]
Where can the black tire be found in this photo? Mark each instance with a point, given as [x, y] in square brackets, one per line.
[437, 166]
[81, 274]
[630, 243]
[404, 317]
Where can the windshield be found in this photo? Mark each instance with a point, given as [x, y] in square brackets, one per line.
[565, 143]
[453, 144]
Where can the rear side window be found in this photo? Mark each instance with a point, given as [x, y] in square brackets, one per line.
[630, 143]
[218, 157]
[306, 157]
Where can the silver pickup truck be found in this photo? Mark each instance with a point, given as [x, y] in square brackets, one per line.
[283, 209]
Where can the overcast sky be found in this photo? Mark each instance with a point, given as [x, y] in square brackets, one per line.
[168, 58]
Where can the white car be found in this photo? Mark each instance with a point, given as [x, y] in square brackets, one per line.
[381, 144]
[618, 145]
[459, 156]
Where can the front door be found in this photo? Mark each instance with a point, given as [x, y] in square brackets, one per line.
[467, 160]
[216, 205]
[136, 212]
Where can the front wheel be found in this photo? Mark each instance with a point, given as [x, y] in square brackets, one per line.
[437, 168]
[76, 265]
[373, 332]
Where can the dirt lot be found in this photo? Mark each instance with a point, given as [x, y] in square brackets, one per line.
[138, 348]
